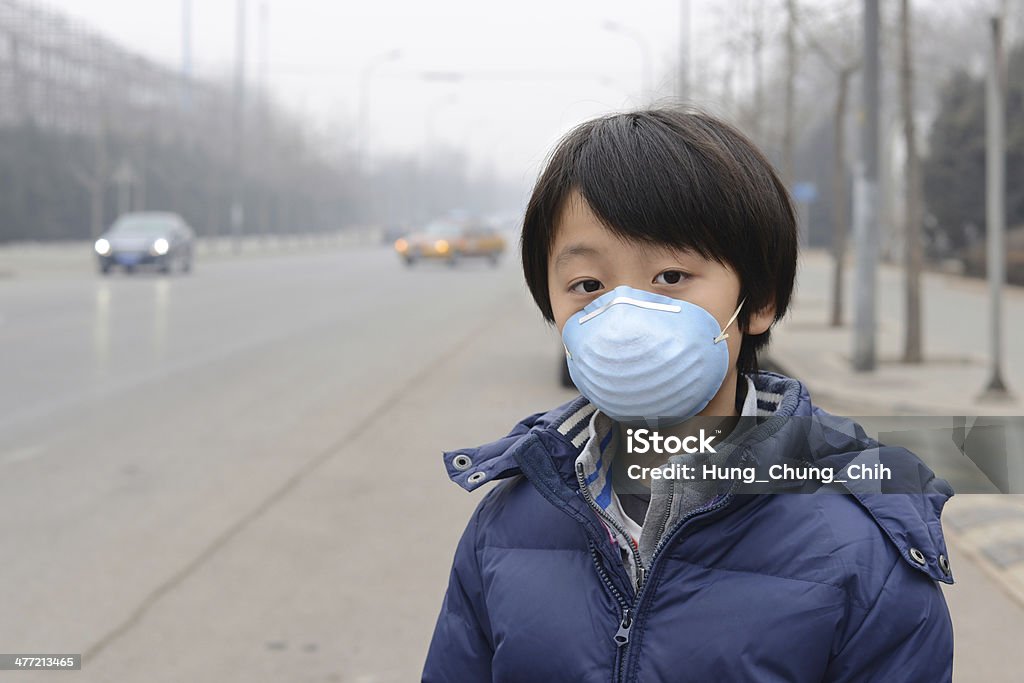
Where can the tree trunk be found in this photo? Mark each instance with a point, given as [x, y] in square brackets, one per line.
[756, 54]
[840, 194]
[912, 250]
[790, 104]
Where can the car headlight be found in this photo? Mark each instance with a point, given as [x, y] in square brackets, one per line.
[441, 246]
[160, 246]
[102, 247]
[401, 245]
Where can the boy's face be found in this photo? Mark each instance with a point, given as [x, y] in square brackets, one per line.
[588, 260]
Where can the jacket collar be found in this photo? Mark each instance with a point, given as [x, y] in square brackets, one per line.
[544, 447]
[568, 425]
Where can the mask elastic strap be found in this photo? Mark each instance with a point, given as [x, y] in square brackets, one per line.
[724, 334]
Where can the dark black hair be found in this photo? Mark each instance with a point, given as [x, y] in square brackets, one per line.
[680, 179]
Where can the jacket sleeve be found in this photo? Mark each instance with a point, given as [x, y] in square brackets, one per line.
[461, 650]
[906, 635]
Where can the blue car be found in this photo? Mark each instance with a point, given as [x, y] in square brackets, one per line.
[154, 239]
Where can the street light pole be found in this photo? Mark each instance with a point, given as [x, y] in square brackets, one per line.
[995, 209]
[186, 53]
[866, 202]
[422, 171]
[684, 51]
[364, 101]
[645, 54]
[437, 106]
[238, 189]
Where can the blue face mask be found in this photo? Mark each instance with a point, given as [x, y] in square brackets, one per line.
[644, 357]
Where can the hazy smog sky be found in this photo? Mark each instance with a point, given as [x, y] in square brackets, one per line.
[529, 69]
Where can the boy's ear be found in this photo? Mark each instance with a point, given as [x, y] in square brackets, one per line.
[760, 321]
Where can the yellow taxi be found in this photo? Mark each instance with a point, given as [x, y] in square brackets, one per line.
[450, 240]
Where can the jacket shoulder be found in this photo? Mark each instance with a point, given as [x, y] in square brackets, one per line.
[822, 538]
[513, 514]
[850, 535]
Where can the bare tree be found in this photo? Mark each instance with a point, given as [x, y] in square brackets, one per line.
[747, 34]
[843, 67]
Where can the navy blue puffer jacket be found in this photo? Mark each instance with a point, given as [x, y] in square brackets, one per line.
[768, 588]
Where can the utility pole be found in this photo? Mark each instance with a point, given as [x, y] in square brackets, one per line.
[98, 186]
[684, 51]
[788, 132]
[995, 205]
[913, 351]
[364, 104]
[263, 117]
[186, 53]
[646, 73]
[866, 202]
[264, 53]
[238, 138]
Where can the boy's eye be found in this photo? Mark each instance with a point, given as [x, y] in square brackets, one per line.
[586, 286]
[670, 277]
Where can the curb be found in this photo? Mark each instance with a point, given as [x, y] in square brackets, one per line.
[989, 530]
[850, 403]
[854, 401]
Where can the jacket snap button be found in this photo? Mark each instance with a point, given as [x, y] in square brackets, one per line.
[944, 565]
[475, 477]
[462, 462]
[917, 556]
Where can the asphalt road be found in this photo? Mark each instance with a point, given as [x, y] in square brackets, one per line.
[236, 475]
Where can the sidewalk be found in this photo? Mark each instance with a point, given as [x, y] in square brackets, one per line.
[956, 345]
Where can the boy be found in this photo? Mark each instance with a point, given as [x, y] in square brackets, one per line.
[663, 246]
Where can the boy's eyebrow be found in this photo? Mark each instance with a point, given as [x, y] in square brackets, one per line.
[573, 250]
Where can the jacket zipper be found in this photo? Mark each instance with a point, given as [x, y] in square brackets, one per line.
[608, 519]
[629, 610]
[626, 623]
